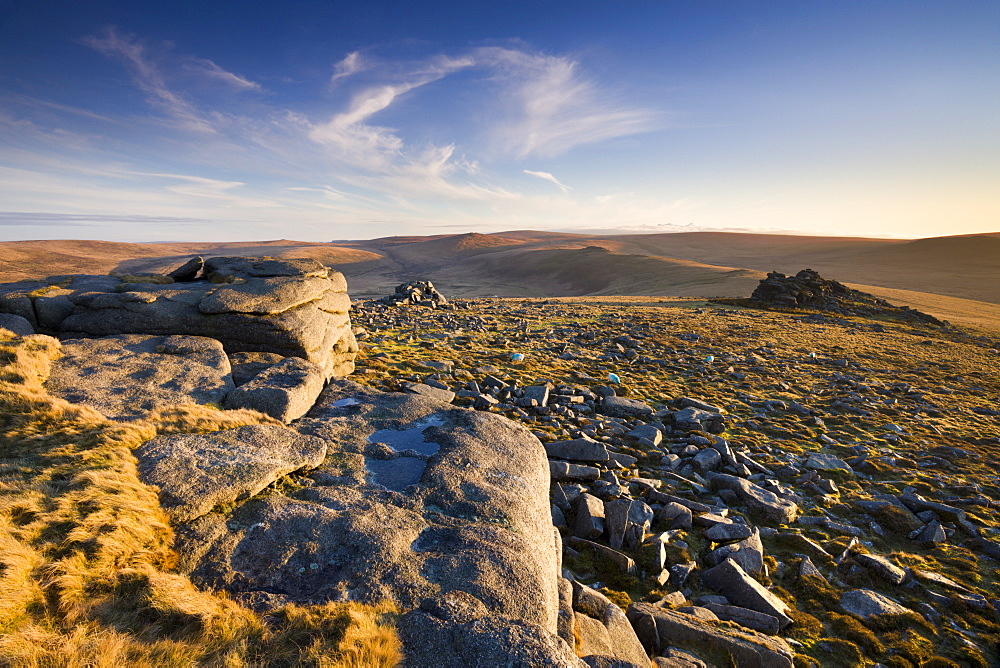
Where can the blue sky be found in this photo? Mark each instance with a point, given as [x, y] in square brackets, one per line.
[141, 121]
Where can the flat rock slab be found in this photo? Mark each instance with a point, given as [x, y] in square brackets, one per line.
[199, 472]
[566, 472]
[264, 296]
[476, 519]
[285, 391]
[823, 462]
[126, 376]
[427, 391]
[615, 406]
[578, 450]
[762, 504]
[866, 603]
[758, 621]
[659, 628]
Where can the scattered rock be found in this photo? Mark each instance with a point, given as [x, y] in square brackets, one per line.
[758, 621]
[589, 517]
[622, 407]
[415, 292]
[659, 629]
[423, 389]
[748, 553]
[578, 450]
[730, 580]
[188, 271]
[696, 419]
[823, 462]
[564, 471]
[807, 289]
[16, 324]
[880, 565]
[761, 503]
[604, 630]
[866, 603]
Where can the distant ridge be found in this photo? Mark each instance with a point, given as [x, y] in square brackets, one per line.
[546, 263]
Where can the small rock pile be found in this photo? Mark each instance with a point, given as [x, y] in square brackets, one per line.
[808, 290]
[420, 293]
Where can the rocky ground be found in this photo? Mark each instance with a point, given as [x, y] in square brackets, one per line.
[795, 482]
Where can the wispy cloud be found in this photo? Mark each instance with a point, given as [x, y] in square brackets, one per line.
[372, 146]
[555, 109]
[17, 218]
[351, 162]
[211, 71]
[200, 186]
[149, 78]
[55, 106]
[545, 176]
[351, 64]
[559, 107]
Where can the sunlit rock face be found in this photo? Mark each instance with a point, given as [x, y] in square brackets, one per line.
[291, 307]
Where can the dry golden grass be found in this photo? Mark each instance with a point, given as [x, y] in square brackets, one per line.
[85, 550]
[966, 312]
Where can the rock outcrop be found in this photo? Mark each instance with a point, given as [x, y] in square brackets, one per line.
[416, 500]
[422, 293]
[295, 308]
[807, 289]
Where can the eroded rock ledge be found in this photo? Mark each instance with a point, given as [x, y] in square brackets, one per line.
[291, 307]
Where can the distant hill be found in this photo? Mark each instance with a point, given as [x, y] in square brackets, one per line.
[542, 263]
[593, 270]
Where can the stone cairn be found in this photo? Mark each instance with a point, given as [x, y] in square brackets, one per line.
[808, 290]
[421, 293]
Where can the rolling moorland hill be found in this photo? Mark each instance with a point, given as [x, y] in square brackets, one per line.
[940, 274]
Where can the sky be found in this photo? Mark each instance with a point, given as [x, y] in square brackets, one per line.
[319, 120]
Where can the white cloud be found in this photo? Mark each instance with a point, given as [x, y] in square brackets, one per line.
[326, 191]
[351, 64]
[210, 70]
[555, 109]
[372, 146]
[548, 177]
[559, 108]
[203, 187]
